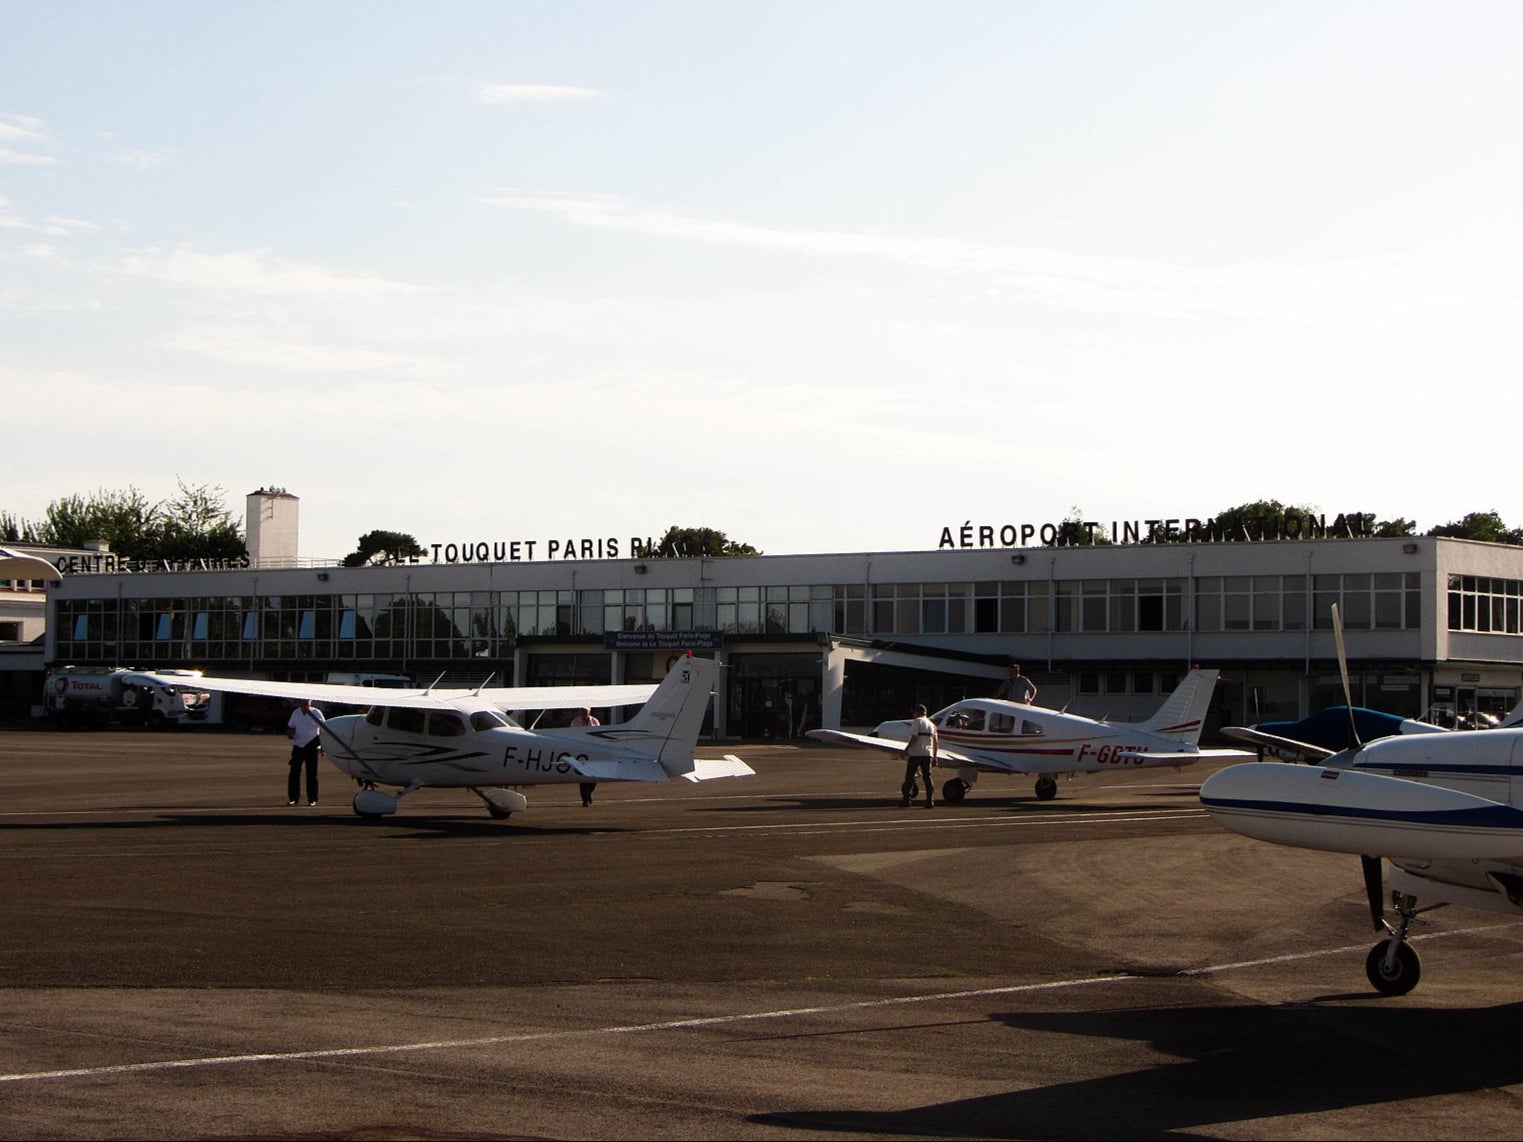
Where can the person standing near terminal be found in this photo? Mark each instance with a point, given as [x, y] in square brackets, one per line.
[304, 729]
[920, 754]
[1017, 687]
[584, 718]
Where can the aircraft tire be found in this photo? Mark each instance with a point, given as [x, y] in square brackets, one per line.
[1401, 978]
[1046, 789]
[954, 791]
[498, 814]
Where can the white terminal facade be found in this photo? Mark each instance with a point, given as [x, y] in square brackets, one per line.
[1433, 626]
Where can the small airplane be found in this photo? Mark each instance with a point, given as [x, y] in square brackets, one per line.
[416, 739]
[1318, 736]
[990, 735]
[1441, 808]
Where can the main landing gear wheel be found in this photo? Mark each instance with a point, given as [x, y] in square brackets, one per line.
[954, 791]
[1046, 788]
[498, 814]
[1397, 977]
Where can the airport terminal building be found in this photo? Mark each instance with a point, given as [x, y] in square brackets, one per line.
[1432, 625]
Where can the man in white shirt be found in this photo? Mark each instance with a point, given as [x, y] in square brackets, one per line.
[920, 754]
[304, 728]
[583, 720]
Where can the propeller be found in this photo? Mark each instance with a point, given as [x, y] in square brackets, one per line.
[1374, 877]
[1348, 693]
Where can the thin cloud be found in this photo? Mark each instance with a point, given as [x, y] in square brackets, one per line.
[55, 226]
[58, 226]
[255, 272]
[253, 350]
[498, 93]
[10, 220]
[22, 130]
[1090, 282]
[23, 159]
[138, 160]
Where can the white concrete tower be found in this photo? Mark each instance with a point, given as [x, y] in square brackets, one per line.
[271, 526]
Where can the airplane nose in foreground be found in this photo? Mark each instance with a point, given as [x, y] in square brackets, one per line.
[1344, 811]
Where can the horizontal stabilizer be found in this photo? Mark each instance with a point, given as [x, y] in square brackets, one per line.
[1176, 757]
[625, 769]
[707, 769]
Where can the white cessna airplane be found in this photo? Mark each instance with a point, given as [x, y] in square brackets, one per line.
[415, 739]
[1442, 808]
[990, 735]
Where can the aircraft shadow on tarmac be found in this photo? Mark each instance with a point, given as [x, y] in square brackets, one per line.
[1236, 1064]
[419, 827]
[891, 800]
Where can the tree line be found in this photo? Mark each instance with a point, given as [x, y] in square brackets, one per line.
[196, 524]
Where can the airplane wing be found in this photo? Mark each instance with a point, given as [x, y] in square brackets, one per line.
[504, 697]
[1287, 749]
[944, 756]
[561, 697]
[19, 565]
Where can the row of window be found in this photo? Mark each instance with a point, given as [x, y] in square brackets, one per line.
[1486, 605]
[463, 624]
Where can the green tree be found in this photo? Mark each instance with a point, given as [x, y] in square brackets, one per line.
[121, 518]
[1073, 531]
[194, 524]
[1263, 519]
[383, 547]
[693, 542]
[1485, 526]
[16, 530]
[1391, 528]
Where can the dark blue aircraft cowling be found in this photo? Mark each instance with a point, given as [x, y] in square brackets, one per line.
[1329, 728]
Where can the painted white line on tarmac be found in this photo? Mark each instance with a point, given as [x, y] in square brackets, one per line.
[670, 1024]
[947, 821]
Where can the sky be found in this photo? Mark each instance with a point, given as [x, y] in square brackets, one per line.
[826, 276]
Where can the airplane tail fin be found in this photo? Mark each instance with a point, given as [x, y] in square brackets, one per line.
[670, 721]
[1183, 713]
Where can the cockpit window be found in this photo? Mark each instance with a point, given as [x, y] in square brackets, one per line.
[445, 724]
[407, 720]
[487, 720]
[964, 720]
[376, 715]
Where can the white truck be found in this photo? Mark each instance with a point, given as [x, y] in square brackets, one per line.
[385, 681]
[78, 696]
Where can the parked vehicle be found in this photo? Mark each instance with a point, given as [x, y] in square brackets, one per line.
[80, 697]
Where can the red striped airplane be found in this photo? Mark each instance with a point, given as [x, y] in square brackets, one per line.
[990, 735]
